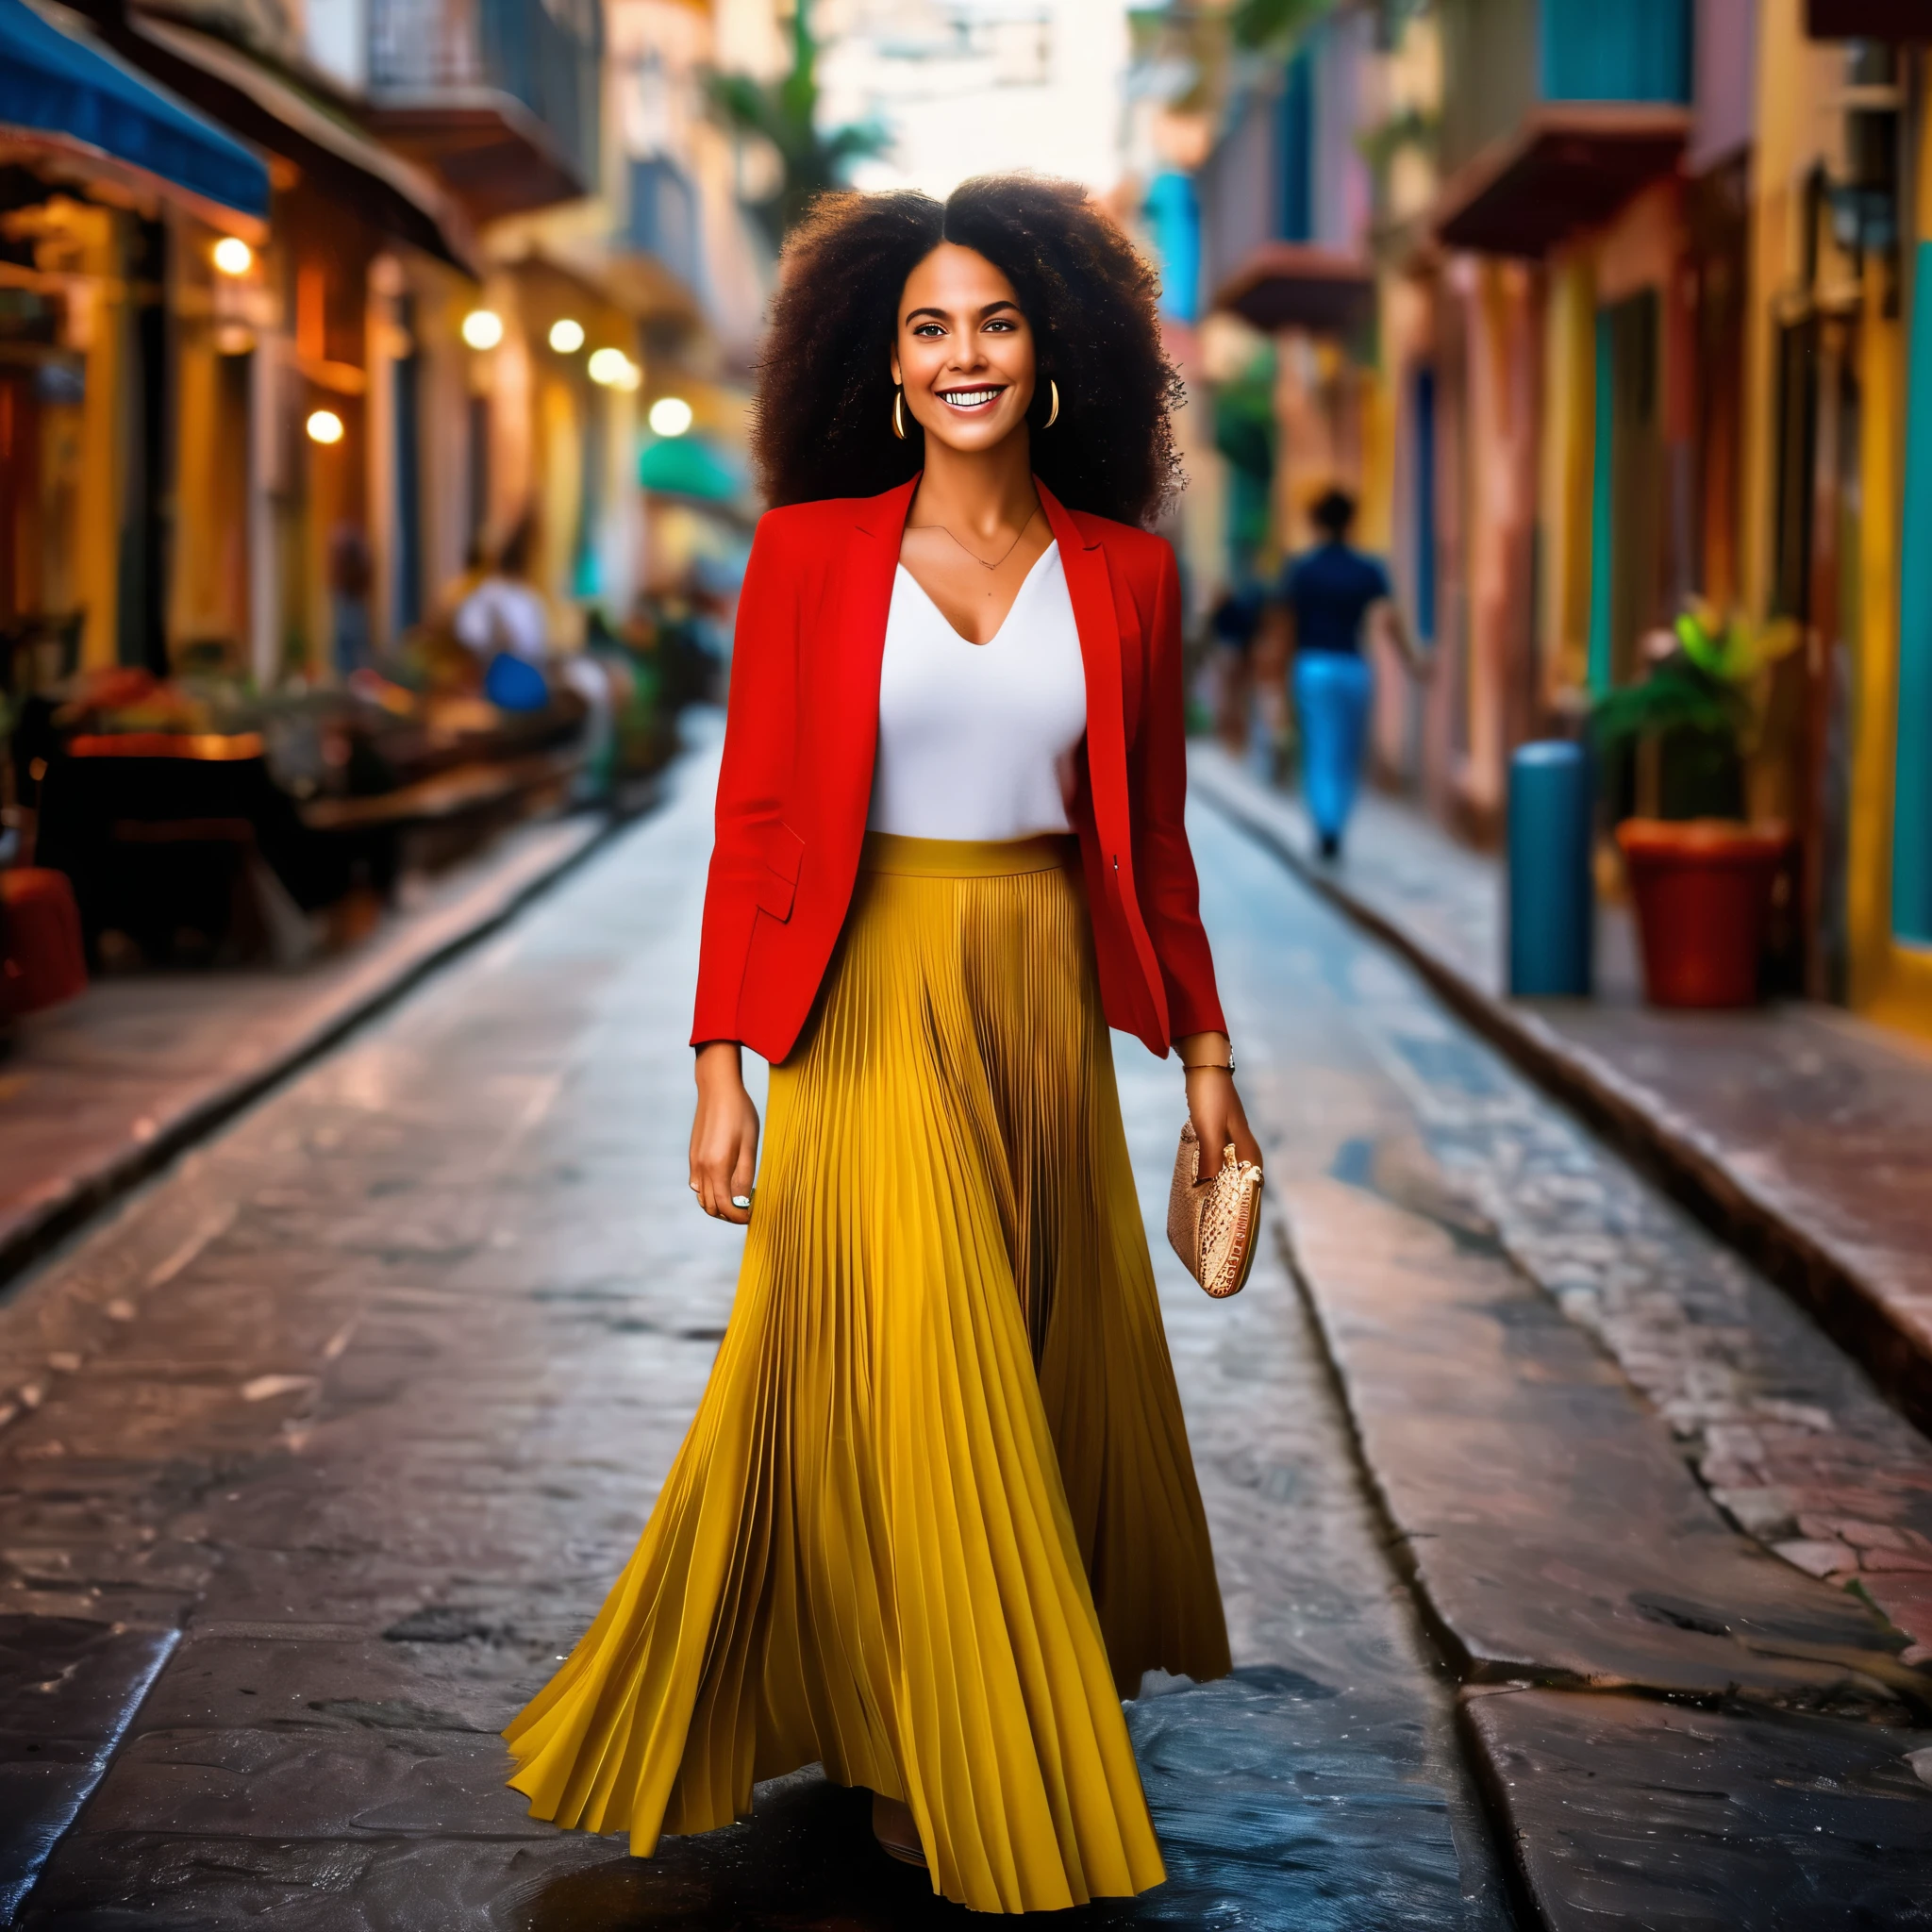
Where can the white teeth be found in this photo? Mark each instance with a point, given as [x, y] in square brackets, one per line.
[967, 398]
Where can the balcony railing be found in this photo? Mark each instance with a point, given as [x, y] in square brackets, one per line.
[1503, 57]
[1555, 112]
[545, 59]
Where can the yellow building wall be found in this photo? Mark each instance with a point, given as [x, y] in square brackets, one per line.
[1797, 124]
[1563, 493]
[1880, 970]
[560, 489]
[103, 440]
[208, 578]
[1891, 982]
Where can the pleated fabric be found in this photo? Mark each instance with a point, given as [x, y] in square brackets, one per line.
[936, 1514]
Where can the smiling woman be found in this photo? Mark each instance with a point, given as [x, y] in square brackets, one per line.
[825, 423]
[936, 1514]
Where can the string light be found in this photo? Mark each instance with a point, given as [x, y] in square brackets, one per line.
[614, 368]
[325, 426]
[482, 328]
[670, 416]
[566, 337]
[233, 255]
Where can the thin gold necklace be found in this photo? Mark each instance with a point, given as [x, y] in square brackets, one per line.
[974, 553]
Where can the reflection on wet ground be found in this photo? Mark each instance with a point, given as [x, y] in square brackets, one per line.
[1277, 1809]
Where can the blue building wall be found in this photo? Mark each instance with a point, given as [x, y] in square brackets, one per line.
[1911, 851]
[1173, 212]
[1294, 150]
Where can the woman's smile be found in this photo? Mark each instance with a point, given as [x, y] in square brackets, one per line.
[985, 397]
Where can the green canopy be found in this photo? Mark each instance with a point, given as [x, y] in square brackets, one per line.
[686, 466]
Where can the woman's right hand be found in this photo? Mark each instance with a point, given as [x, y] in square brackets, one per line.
[724, 1135]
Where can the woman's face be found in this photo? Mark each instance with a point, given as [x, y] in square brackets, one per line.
[963, 352]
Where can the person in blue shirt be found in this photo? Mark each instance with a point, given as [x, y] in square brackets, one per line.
[1330, 594]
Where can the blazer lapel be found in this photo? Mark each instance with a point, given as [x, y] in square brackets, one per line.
[863, 604]
[1092, 593]
[1091, 589]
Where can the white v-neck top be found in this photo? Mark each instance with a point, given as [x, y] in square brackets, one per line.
[973, 738]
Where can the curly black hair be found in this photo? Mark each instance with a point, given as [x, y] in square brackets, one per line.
[822, 419]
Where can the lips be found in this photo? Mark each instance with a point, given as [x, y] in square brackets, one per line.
[968, 400]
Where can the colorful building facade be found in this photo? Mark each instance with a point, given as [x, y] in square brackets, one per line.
[1646, 324]
[488, 238]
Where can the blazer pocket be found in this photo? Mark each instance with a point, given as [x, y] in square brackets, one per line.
[784, 853]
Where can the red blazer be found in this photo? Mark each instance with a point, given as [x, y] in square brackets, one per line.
[796, 782]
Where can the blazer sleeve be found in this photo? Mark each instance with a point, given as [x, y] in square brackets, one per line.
[753, 779]
[1164, 864]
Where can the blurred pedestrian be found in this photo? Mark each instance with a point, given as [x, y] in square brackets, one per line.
[506, 623]
[455, 591]
[1331, 593]
[504, 612]
[936, 1515]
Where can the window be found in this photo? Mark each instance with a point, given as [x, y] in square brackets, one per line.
[664, 216]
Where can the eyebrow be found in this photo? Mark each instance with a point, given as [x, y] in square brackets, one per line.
[990, 309]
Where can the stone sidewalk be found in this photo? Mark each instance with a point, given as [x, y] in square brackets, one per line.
[98, 1093]
[1803, 1135]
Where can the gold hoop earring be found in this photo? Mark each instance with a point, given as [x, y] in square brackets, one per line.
[1053, 390]
[899, 414]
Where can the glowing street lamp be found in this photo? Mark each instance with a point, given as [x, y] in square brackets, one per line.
[614, 368]
[325, 426]
[566, 337]
[233, 255]
[670, 416]
[482, 328]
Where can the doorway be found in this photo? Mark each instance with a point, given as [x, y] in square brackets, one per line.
[1626, 492]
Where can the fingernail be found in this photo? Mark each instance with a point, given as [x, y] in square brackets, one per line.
[741, 1200]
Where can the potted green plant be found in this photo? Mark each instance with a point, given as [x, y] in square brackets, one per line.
[1702, 877]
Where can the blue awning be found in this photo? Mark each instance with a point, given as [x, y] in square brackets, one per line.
[57, 88]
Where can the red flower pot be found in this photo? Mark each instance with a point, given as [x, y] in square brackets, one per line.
[42, 959]
[1703, 890]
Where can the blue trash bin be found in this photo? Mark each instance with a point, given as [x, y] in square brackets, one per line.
[1552, 896]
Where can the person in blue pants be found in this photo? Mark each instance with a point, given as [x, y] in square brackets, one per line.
[1330, 593]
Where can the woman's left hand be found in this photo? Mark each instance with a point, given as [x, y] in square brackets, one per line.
[1213, 1104]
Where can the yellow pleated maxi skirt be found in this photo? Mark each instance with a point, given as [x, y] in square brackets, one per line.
[936, 1513]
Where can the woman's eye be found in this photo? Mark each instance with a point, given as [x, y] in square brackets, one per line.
[928, 329]
[1005, 328]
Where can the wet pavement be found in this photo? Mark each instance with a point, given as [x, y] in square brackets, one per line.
[97, 1093]
[1820, 1113]
[1796, 1129]
[340, 1429]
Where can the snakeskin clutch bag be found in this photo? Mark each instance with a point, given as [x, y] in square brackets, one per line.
[1212, 1225]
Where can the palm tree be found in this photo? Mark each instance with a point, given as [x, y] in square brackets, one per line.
[1274, 25]
[785, 112]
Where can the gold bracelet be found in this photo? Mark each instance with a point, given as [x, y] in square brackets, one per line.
[1208, 1066]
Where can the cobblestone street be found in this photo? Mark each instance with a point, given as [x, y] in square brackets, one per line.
[337, 1433]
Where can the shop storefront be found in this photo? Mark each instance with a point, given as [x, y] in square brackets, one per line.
[102, 178]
